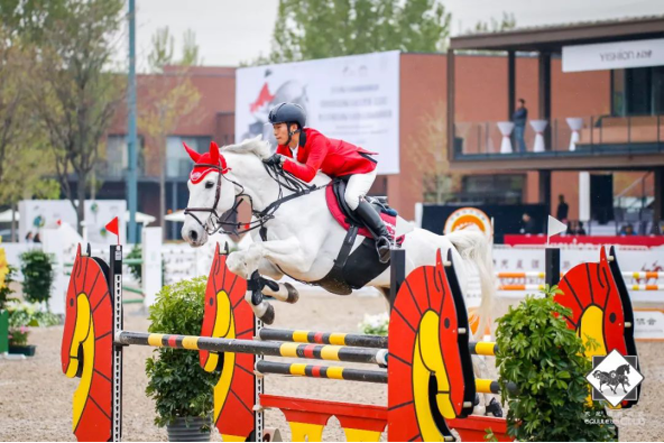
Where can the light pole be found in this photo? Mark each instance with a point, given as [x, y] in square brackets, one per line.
[131, 142]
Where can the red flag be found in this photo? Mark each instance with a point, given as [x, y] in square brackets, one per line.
[112, 226]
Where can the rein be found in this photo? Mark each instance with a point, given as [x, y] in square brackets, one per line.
[220, 222]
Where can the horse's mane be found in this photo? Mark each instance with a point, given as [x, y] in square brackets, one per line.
[256, 146]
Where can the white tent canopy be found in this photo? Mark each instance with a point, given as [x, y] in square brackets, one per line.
[177, 216]
[141, 218]
[6, 217]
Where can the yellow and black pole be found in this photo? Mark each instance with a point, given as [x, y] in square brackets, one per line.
[276, 349]
[361, 340]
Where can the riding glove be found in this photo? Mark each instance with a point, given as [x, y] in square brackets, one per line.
[275, 160]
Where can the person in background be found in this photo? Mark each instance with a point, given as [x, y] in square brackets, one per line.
[37, 239]
[575, 227]
[563, 209]
[581, 230]
[627, 229]
[28, 237]
[528, 224]
[519, 118]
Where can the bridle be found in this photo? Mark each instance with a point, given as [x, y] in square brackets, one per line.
[220, 222]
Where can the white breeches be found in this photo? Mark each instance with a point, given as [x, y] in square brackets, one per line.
[357, 187]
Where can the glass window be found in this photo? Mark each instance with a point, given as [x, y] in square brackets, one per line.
[658, 89]
[495, 189]
[117, 156]
[637, 91]
[178, 163]
[638, 84]
[618, 92]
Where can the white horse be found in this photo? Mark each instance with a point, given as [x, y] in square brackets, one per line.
[303, 239]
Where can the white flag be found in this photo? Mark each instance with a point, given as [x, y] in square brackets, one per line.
[554, 227]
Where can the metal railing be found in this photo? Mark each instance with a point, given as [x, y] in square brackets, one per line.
[562, 136]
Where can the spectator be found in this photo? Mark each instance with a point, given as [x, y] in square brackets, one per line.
[581, 230]
[28, 237]
[519, 118]
[528, 224]
[575, 227]
[37, 239]
[563, 209]
[627, 229]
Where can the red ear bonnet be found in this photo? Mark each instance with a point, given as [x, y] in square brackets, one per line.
[205, 163]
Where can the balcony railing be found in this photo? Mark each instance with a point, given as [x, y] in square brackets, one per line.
[562, 136]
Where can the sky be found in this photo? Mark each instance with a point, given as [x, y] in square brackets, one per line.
[231, 31]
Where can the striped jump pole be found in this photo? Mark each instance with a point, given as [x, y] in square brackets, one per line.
[276, 349]
[361, 340]
[321, 371]
[483, 386]
[648, 275]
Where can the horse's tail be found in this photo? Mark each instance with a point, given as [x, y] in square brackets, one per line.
[475, 246]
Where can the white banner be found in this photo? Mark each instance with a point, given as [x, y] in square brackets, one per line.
[37, 214]
[353, 98]
[649, 324]
[617, 55]
[532, 260]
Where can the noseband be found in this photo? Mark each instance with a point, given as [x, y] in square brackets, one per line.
[213, 210]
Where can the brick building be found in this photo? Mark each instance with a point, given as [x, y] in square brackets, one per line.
[485, 87]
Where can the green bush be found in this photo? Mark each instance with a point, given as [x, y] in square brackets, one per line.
[30, 314]
[375, 324]
[24, 315]
[179, 386]
[544, 358]
[136, 270]
[37, 269]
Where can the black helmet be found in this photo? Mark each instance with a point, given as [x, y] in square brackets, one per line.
[288, 113]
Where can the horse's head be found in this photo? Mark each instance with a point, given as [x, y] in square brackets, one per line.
[209, 195]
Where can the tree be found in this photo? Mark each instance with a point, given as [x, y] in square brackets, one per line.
[29, 19]
[429, 156]
[170, 99]
[75, 95]
[162, 50]
[21, 163]
[311, 29]
[507, 22]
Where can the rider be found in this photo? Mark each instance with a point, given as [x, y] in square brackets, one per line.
[336, 158]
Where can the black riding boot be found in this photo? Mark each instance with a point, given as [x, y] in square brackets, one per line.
[375, 224]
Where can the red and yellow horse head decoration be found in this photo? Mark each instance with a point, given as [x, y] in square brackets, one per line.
[601, 307]
[227, 315]
[87, 348]
[428, 356]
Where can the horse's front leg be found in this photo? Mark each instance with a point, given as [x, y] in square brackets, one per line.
[244, 263]
[247, 263]
[281, 291]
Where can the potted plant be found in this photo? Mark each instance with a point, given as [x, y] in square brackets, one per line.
[37, 270]
[22, 317]
[541, 355]
[182, 390]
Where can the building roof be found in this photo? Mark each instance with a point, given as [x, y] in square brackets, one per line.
[551, 38]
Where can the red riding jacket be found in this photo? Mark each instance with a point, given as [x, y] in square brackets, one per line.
[335, 158]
